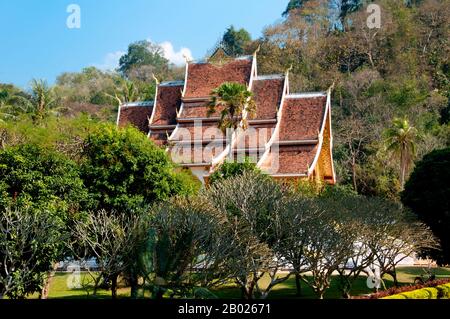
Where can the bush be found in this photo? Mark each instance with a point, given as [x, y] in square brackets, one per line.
[124, 170]
[438, 292]
[232, 169]
[32, 176]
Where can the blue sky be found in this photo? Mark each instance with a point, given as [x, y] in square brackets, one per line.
[36, 42]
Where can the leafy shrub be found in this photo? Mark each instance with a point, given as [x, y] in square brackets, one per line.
[32, 176]
[437, 292]
[124, 170]
[231, 169]
[442, 285]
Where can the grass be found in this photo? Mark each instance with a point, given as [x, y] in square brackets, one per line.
[286, 290]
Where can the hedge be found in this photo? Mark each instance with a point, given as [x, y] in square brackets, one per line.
[438, 292]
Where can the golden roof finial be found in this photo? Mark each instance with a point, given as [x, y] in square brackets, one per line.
[186, 58]
[257, 49]
[155, 78]
[289, 69]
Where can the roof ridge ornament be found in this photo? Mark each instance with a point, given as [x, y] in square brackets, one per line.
[289, 69]
[155, 78]
[257, 50]
[331, 88]
[186, 58]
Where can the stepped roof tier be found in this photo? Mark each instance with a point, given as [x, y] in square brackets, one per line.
[290, 137]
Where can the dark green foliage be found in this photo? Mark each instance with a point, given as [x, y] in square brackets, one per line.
[143, 53]
[349, 6]
[124, 170]
[235, 41]
[292, 5]
[32, 176]
[427, 194]
[30, 242]
[231, 169]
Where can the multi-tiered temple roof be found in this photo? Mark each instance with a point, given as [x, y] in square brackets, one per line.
[290, 137]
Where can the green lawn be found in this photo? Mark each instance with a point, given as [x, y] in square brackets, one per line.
[406, 275]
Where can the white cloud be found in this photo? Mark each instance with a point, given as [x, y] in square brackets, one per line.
[175, 57]
[111, 61]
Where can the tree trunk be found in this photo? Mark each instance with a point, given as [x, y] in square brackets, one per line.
[402, 168]
[96, 283]
[249, 290]
[46, 288]
[159, 294]
[298, 285]
[355, 187]
[114, 286]
[393, 274]
[134, 285]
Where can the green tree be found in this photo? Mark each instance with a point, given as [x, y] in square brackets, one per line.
[88, 86]
[250, 203]
[32, 176]
[401, 141]
[125, 92]
[113, 238]
[235, 41]
[123, 170]
[13, 102]
[143, 53]
[43, 100]
[31, 241]
[236, 104]
[427, 194]
[184, 233]
[232, 169]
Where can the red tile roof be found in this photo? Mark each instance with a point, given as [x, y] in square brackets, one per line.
[137, 116]
[267, 95]
[256, 136]
[204, 77]
[295, 159]
[168, 101]
[197, 110]
[298, 140]
[302, 118]
[160, 136]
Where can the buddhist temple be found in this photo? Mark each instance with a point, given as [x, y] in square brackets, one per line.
[289, 137]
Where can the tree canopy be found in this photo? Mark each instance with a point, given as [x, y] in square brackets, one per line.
[124, 170]
[427, 194]
[235, 41]
[143, 53]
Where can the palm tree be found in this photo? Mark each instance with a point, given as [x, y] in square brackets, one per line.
[400, 141]
[125, 92]
[237, 103]
[39, 103]
[43, 99]
[12, 105]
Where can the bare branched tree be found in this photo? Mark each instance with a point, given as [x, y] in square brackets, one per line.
[112, 238]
